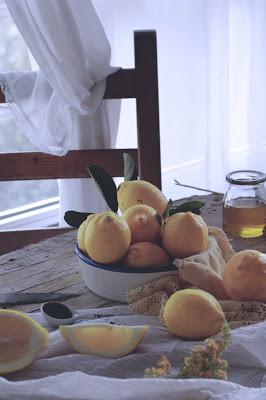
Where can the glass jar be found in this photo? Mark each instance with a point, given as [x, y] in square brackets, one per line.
[244, 204]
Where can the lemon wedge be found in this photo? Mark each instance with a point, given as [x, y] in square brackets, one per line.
[21, 339]
[103, 340]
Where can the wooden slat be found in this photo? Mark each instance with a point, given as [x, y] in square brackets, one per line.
[13, 240]
[147, 103]
[37, 165]
[121, 85]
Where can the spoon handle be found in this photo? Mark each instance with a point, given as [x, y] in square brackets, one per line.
[97, 313]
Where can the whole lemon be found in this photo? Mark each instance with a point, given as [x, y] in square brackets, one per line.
[144, 222]
[145, 254]
[81, 233]
[184, 234]
[193, 314]
[106, 237]
[130, 193]
[244, 276]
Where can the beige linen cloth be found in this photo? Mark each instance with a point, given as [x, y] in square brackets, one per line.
[203, 271]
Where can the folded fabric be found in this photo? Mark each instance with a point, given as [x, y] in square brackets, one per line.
[203, 271]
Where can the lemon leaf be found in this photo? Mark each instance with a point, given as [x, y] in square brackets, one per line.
[193, 206]
[75, 218]
[130, 168]
[168, 208]
[105, 184]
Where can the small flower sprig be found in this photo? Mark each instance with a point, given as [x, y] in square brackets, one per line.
[205, 360]
[162, 368]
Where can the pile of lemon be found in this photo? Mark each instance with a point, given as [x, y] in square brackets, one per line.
[141, 236]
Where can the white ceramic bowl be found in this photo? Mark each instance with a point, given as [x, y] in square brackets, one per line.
[114, 281]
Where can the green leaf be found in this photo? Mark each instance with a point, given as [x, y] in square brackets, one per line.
[106, 184]
[167, 208]
[75, 218]
[130, 169]
[193, 206]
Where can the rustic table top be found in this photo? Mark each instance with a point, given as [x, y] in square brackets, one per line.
[52, 266]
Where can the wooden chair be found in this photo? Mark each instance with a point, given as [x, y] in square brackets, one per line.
[140, 83]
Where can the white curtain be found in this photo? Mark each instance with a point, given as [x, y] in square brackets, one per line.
[56, 105]
[212, 73]
[68, 42]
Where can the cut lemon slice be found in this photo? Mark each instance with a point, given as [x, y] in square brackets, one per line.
[104, 340]
[21, 339]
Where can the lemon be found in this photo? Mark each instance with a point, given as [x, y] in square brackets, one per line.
[145, 254]
[103, 340]
[193, 314]
[144, 222]
[21, 339]
[81, 233]
[244, 276]
[106, 237]
[130, 193]
[184, 234]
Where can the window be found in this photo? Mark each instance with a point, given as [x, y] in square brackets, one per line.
[19, 200]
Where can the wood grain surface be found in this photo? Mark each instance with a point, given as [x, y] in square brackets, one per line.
[51, 265]
[37, 165]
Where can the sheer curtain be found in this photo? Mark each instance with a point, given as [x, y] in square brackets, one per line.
[69, 44]
[212, 71]
[60, 106]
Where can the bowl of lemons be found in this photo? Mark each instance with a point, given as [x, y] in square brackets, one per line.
[117, 253]
[136, 241]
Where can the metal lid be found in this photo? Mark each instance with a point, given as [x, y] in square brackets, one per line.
[246, 177]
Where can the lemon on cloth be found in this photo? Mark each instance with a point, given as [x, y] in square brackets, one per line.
[193, 314]
[21, 339]
[103, 340]
[244, 276]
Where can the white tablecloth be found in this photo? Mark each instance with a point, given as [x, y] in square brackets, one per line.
[59, 373]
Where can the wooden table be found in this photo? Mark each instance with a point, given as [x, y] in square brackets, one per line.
[52, 266]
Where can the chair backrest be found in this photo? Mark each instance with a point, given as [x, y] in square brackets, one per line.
[140, 83]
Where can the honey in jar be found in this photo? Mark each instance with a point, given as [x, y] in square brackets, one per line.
[244, 204]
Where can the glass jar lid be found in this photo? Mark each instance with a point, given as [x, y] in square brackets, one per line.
[246, 177]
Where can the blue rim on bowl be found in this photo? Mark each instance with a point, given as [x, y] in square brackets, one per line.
[119, 268]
